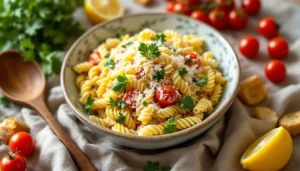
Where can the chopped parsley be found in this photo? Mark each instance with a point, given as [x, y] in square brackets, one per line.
[202, 82]
[121, 83]
[120, 118]
[127, 44]
[186, 103]
[171, 48]
[160, 39]
[159, 75]
[149, 51]
[109, 63]
[119, 104]
[145, 103]
[188, 61]
[155, 166]
[171, 126]
[183, 71]
[4, 101]
[120, 35]
[107, 55]
[88, 105]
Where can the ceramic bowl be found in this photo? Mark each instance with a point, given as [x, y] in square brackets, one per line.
[214, 41]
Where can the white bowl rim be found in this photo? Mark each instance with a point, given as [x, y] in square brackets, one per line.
[157, 138]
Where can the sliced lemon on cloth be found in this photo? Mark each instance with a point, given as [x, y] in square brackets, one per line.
[270, 152]
[102, 10]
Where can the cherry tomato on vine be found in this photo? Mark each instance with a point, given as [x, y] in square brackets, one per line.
[275, 71]
[278, 48]
[94, 58]
[200, 15]
[166, 95]
[13, 162]
[225, 5]
[238, 19]
[22, 143]
[180, 7]
[129, 98]
[217, 19]
[249, 46]
[268, 27]
[170, 7]
[252, 7]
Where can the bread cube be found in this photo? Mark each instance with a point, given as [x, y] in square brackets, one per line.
[291, 122]
[10, 126]
[264, 113]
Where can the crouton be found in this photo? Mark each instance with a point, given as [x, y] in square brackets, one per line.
[252, 90]
[10, 126]
[291, 122]
[264, 113]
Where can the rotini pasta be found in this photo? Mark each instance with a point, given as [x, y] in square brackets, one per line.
[150, 83]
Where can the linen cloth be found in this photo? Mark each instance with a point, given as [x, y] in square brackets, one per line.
[219, 149]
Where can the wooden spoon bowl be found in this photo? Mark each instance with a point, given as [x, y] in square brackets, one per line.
[24, 83]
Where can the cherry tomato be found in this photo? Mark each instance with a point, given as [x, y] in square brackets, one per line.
[166, 95]
[170, 7]
[200, 15]
[192, 59]
[225, 5]
[180, 7]
[252, 7]
[94, 58]
[278, 48]
[275, 71]
[13, 162]
[238, 19]
[268, 27]
[218, 19]
[22, 143]
[249, 46]
[129, 98]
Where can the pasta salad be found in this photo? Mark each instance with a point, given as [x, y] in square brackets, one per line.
[150, 83]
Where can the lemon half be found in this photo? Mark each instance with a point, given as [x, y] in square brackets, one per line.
[102, 10]
[270, 152]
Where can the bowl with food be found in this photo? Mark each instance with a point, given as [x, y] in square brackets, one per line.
[150, 81]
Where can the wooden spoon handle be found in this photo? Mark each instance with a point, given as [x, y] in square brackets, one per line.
[81, 161]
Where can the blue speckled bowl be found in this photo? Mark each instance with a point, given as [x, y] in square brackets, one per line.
[215, 42]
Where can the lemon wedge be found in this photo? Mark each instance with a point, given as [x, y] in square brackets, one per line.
[270, 152]
[102, 10]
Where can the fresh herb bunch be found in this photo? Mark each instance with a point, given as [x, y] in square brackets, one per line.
[39, 29]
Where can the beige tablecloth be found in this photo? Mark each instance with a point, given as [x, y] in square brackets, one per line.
[218, 149]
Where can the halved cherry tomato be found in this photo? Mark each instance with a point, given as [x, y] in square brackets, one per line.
[278, 48]
[170, 7]
[22, 143]
[192, 59]
[13, 162]
[252, 7]
[129, 98]
[166, 95]
[268, 27]
[249, 47]
[275, 71]
[180, 7]
[238, 19]
[225, 5]
[94, 58]
[200, 15]
[217, 19]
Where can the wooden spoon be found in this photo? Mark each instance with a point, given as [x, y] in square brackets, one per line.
[24, 83]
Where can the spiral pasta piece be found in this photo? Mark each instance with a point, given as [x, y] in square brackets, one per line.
[181, 84]
[186, 122]
[86, 90]
[216, 94]
[151, 130]
[80, 80]
[122, 129]
[146, 114]
[100, 121]
[82, 67]
[167, 112]
[203, 105]
[100, 103]
[94, 73]
[220, 79]
[210, 81]
[140, 85]
[111, 43]
[164, 59]
[169, 69]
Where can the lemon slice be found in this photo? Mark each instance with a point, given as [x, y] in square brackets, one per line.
[270, 152]
[102, 10]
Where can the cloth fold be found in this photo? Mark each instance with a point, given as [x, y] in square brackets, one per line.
[220, 148]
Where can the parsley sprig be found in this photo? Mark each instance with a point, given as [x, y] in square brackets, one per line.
[183, 71]
[109, 63]
[120, 118]
[145, 103]
[186, 103]
[159, 74]
[202, 82]
[121, 83]
[155, 166]
[127, 44]
[107, 55]
[149, 51]
[170, 126]
[160, 39]
[88, 105]
[119, 104]
[4, 101]
[120, 35]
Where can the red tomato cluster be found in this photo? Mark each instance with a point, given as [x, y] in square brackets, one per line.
[278, 48]
[219, 13]
[21, 145]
